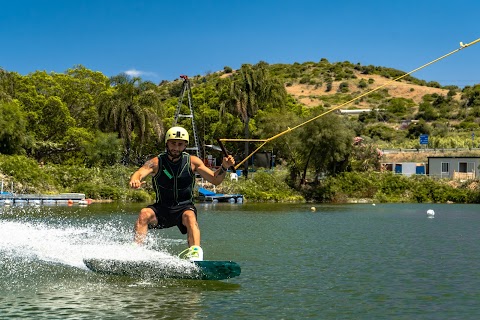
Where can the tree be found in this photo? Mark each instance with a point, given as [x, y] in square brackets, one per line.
[472, 96]
[381, 132]
[427, 112]
[104, 150]
[365, 156]
[128, 108]
[252, 88]
[12, 128]
[416, 129]
[55, 120]
[273, 122]
[81, 88]
[7, 84]
[399, 106]
[325, 146]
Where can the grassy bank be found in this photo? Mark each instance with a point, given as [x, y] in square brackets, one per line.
[27, 176]
[393, 188]
[111, 183]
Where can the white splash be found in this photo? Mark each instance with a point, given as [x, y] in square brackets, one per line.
[69, 245]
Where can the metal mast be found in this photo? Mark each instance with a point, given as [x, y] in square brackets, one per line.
[187, 89]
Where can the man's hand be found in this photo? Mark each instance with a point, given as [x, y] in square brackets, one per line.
[135, 183]
[149, 168]
[228, 161]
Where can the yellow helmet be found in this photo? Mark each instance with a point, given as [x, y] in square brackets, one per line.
[177, 133]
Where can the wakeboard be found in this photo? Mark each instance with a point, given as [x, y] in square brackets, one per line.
[195, 270]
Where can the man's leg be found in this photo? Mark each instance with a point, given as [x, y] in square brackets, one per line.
[189, 220]
[145, 217]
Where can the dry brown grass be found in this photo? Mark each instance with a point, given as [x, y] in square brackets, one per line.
[307, 94]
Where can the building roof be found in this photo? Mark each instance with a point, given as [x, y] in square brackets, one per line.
[454, 157]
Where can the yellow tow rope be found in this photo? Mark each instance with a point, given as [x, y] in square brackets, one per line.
[265, 141]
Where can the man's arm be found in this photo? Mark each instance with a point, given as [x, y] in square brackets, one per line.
[149, 167]
[213, 177]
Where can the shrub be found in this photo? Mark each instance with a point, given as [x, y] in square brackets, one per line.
[96, 191]
[362, 84]
[304, 80]
[263, 186]
[343, 87]
[27, 175]
[390, 187]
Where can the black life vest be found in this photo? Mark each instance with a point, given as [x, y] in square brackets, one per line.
[174, 181]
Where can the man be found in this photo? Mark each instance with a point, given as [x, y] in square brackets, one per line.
[173, 179]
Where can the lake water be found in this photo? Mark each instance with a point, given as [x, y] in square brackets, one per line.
[389, 261]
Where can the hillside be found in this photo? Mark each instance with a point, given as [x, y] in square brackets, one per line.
[446, 113]
[309, 95]
[405, 109]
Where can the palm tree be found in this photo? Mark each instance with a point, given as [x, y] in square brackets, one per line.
[252, 88]
[128, 108]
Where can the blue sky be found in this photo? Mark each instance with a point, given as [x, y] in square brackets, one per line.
[160, 40]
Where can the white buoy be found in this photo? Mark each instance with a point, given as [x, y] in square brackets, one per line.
[430, 213]
[313, 209]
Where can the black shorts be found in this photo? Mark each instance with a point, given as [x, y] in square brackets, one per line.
[170, 216]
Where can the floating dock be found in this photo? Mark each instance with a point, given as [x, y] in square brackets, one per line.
[37, 199]
[210, 196]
